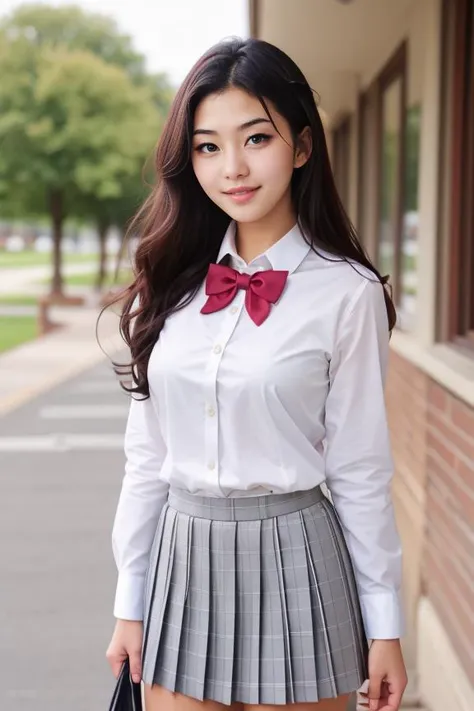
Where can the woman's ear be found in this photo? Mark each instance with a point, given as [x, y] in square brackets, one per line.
[304, 146]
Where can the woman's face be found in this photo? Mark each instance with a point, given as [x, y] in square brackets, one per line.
[241, 162]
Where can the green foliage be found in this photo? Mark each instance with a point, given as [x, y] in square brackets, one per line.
[78, 124]
[77, 110]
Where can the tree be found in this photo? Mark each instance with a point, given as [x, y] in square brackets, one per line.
[81, 138]
[71, 126]
[115, 212]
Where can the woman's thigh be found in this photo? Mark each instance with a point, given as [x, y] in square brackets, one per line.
[339, 704]
[157, 698]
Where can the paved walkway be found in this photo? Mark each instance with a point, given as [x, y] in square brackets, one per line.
[61, 465]
[38, 365]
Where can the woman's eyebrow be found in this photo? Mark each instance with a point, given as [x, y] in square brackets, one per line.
[247, 124]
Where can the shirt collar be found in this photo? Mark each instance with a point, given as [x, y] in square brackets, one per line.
[286, 254]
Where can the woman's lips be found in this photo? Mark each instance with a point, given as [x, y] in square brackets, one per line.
[242, 195]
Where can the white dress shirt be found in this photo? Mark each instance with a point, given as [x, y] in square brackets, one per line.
[238, 410]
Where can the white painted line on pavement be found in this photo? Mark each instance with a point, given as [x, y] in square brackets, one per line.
[61, 443]
[83, 412]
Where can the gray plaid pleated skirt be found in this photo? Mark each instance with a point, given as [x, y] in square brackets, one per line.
[252, 600]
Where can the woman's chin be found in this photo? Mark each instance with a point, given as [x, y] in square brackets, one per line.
[246, 213]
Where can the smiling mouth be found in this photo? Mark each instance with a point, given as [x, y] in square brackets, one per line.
[240, 191]
[241, 196]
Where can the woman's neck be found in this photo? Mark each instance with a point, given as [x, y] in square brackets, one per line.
[254, 238]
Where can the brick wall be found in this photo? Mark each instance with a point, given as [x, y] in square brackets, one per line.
[448, 566]
[433, 444]
[406, 401]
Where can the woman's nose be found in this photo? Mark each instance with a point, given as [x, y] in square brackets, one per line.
[235, 165]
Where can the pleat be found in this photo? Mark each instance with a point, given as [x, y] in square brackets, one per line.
[293, 551]
[220, 664]
[195, 633]
[163, 593]
[170, 647]
[247, 646]
[272, 645]
[159, 594]
[151, 575]
[290, 687]
[359, 639]
[319, 585]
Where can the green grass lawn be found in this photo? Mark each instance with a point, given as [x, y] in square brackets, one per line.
[28, 258]
[18, 300]
[15, 330]
[90, 278]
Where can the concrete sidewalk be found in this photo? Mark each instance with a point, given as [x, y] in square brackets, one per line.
[37, 366]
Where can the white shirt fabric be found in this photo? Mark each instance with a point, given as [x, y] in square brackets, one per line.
[239, 410]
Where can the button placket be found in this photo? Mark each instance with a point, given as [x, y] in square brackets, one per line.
[211, 409]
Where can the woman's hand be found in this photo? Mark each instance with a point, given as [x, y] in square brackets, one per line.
[126, 642]
[387, 675]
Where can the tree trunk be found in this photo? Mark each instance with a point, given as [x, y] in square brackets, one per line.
[102, 229]
[57, 217]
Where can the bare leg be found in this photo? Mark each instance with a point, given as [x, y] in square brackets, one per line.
[339, 704]
[159, 699]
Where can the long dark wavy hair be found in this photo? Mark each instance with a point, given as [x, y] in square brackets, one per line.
[181, 229]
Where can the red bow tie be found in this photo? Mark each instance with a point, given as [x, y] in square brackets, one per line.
[263, 288]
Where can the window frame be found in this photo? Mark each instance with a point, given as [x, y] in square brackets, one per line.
[395, 69]
[456, 248]
[341, 151]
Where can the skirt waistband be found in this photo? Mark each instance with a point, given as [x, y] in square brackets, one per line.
[243, 508]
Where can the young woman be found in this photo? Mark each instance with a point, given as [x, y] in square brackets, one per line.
[259, 336]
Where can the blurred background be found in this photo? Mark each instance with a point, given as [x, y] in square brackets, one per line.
[84, 91]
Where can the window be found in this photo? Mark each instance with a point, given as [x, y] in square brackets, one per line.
[389, 146]
[390, 196]
[457, 238]
[409, 240]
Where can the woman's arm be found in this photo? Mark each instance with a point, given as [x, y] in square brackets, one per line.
[141, 500]
[359, 466]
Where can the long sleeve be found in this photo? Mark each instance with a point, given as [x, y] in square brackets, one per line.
[141, 500]
[359, 465]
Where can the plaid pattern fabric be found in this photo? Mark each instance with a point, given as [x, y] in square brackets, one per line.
[252, 600]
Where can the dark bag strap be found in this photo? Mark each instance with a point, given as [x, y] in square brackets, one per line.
[127, 694]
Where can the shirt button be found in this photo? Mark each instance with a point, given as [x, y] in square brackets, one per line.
[211, 412]
[234, 310]
[211, 465]
[217, 349]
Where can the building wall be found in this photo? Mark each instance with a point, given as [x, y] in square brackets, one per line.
[432, 429]
[433, 444]
[406, 395]
[448, 561]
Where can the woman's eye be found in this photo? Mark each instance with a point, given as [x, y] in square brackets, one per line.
[258, 139]
[207, 148]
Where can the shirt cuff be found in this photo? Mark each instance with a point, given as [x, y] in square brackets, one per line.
[383, 616]
[129, 597]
